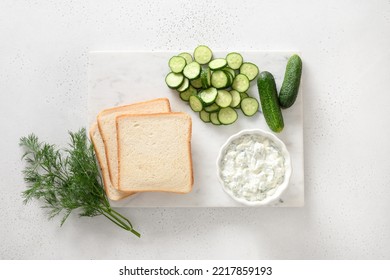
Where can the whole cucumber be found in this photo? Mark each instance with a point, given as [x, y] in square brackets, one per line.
[269, 101]
[292, 78]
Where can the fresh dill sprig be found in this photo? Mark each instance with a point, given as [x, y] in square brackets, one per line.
[67, 179]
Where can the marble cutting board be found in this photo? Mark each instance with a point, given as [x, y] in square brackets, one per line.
[118, 78]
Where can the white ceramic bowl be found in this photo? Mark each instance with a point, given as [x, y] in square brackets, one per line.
[287, 164]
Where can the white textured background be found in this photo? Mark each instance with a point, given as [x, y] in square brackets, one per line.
[346, 52]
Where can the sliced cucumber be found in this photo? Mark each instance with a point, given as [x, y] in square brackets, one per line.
[214, 118]
[242, 96]
[195, 103]
[217, 63]
[249, 106]
[185, 95]
[219, 79]
[187, 57]
[236, 98]
[192, 70]
[230, 78]
[203, 54]
[177, 64]
[174, 80]
[197, 83]
[204, 116]
[234, 60]
[250, 70]
[213, 87]
[224, 98]
[241, 83]
[230, 70]
[212, 108]
[209, 95]
[184, 86]
[227, 115]
[205, 77]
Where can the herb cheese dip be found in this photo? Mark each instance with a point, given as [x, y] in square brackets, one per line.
[252, 167]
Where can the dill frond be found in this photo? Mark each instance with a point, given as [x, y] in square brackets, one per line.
[67, 179]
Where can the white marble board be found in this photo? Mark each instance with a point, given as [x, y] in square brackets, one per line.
[118, 78]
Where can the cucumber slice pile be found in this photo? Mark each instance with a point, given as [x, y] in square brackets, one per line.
[214, 87]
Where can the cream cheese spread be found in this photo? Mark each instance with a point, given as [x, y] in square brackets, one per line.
[252, 167]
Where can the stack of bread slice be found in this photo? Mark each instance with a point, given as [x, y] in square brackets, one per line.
[143, 147]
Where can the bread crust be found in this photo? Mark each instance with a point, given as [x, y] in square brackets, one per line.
[104, 136]
[106, 181]
[117, 120]
[121, 107]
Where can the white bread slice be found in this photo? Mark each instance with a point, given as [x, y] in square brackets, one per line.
[107, 128]
[154, 152]
[98, 144]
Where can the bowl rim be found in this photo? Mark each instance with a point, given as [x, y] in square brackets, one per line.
[287, 161]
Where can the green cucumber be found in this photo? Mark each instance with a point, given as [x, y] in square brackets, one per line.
[174, 80]
[250, 70]
[192, 70]
[230, 70]
[230, 78]
[269, 101]
[186, 56]
[204, 116]
[177, 64]
[227, 115]
[224, 98]
[185, 95]
[184, 86]
[292, 78]
[249, 106]
[197, 83]
[213, 87]
[241, 83]
[244, 95]
[196, 103]
[236, 98]
[234, 60]
[214, 118]
[219, 79]
[217, 63]
[212, 108]
[208, 96]
[205, 77]
[203, 54]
